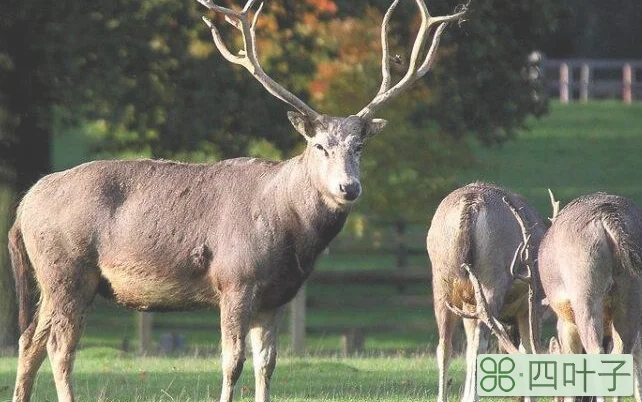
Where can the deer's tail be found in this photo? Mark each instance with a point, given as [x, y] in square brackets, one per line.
[468, 217]
[26, 289]
[626, 248]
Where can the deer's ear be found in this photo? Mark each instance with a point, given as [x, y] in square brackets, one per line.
[301, 123]
[375, 126]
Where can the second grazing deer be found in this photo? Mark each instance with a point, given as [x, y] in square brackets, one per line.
[590, 264]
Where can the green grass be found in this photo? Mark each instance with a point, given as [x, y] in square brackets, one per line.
[577, 149]
[104, 374]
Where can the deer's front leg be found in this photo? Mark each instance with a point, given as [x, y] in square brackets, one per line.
[236, 309]
[263, 335]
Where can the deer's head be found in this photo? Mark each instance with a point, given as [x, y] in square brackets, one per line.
[333, 153]
[335, 143]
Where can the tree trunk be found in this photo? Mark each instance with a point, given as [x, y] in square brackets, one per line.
[8, 307]
[25, 132]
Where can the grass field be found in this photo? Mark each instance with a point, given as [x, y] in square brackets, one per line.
[105, 375]
[575, 150]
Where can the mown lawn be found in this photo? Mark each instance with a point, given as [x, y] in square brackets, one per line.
[577, 149]
[104, 374]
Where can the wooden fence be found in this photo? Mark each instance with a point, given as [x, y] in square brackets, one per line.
[353, 336]
[584, 79]
[399, 276]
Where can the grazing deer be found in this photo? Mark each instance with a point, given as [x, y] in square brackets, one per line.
[480, 237]
[242, 234]
[590, 264]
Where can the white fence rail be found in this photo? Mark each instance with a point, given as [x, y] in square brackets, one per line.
[584, 79]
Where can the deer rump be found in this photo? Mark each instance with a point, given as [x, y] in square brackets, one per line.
[473, 226]
[590, 261]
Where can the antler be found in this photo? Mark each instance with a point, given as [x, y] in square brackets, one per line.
[248, 57]
[523, 249]
[484, 314]
[555, 204]
[414, 72]
[524, 253]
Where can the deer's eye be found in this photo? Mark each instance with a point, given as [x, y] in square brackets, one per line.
[320, 148]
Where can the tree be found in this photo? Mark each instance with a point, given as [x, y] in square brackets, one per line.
[477, 88]
[142, 78]
[597, 29]
[24, 127]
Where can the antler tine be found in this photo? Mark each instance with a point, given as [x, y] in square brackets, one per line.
[385, 52]
[413, 73]
[249, 58]
[513, 264]
[462, 313]
[523, 249]
[492, 322]
[555, 204]
[534, 316]
[484, 315]
[518, 217]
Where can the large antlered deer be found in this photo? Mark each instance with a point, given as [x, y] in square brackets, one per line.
[480, 239]
[590, 264]
[242, 234]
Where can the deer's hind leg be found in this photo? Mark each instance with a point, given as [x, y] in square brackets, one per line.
[478, 339]
[637, 369]
[71, 293]
[31, 353]
[626, 322]
[446, 322]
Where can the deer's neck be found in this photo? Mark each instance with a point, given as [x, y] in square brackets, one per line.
[306, 205]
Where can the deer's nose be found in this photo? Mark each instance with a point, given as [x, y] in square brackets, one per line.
[350, 191]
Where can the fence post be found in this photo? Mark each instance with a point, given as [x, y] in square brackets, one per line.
[585, 79]
[564, 83]
[627, 82]
[402, 250]
[145, 331]
[297, 322]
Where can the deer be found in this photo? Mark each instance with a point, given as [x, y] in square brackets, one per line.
[481, 244]
[590, 265]
[241, 235]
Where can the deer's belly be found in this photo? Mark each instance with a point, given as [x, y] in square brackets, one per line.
[147, 291]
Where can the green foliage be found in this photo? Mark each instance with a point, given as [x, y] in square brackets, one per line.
[481, 86]
[144, 79]
[597, 29]
[149, 71]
